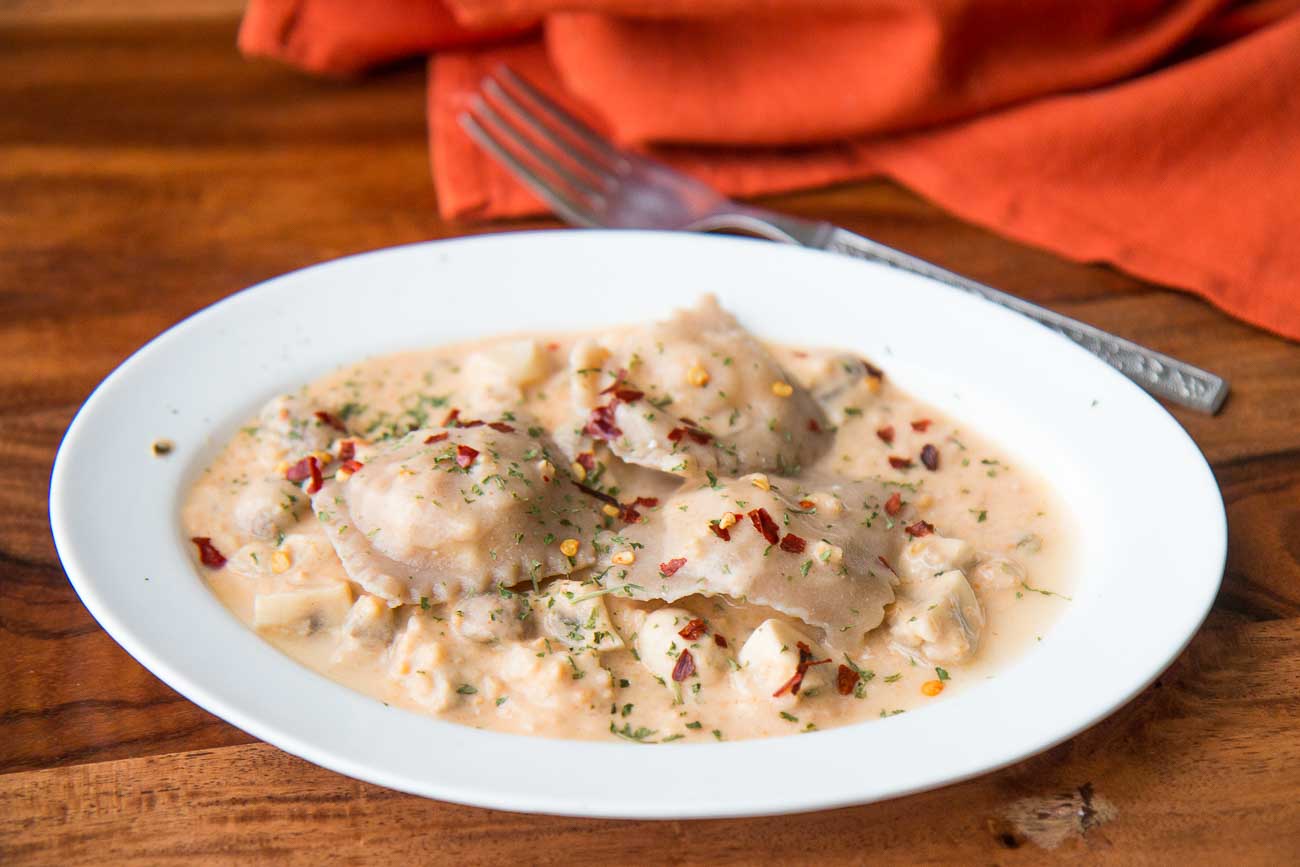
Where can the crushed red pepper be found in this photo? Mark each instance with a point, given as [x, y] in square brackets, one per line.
[696, 435]
[920, 528]
[313, 466]
[208, 554]
[793, 544]
[500, 427]
[329, 418]
[348, 450]
[900, 463]
[846, 679]
[765, 526]
[720, 531]
[814, 426]
[436, 438]
[921, 425]
[894, 504]
[886, 433]
[465, 456]
[685, 666]
[930, 457]
[807, 504]
[601, 425]
[806, 662]
[669, 568]
[452, 418]
[588, 461]
[299, 472]
[885, 563]
[351, 465]
[719, 640]
[694, 630]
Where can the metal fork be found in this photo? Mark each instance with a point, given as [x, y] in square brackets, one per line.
[589, 182]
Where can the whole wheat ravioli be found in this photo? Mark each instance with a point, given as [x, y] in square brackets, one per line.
[820, 550]
[694, 393]
[442, 513]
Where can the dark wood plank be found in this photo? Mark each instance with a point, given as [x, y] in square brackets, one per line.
[1147, 783]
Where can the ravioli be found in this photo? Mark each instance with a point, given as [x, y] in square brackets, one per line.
[821, 551]
[443, 513]
[695, 393]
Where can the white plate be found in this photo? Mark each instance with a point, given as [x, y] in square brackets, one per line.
[1152, 547]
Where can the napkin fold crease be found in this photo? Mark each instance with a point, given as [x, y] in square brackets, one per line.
[1159, 136]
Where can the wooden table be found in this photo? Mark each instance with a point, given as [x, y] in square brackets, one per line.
[147, 171]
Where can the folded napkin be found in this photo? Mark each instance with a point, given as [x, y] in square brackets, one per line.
[1156, 135]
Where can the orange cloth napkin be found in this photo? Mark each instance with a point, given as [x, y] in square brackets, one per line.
[1160, 136]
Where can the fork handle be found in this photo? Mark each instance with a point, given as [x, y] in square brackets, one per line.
[1163, 376]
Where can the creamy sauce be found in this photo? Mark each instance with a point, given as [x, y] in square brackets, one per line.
[585, 655]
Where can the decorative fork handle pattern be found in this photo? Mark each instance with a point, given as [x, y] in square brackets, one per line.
[1161, 375]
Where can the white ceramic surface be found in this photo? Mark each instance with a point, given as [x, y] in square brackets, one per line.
[1152, 528]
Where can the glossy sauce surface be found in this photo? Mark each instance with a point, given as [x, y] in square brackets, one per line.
[506, 660]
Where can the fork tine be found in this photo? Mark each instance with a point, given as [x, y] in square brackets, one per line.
[575, 127]
[519, 138]
[597, 168]
[565, 205]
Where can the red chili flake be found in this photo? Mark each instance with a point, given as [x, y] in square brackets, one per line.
[669, 569]
[921, 425]
[699, 436]
[348, 450]
[720, 531]
[500, 427]
[477, 422]
[885, 563]
[900, 463]
[807, 504]
[920, 528]
[893, 504]
[601, 424]
[930, 457]
[845, 679]
[588, 461]
[299, 472]
[452, 418]
[330, 419]
[695, 630]
[465, 456]
[814, 426]
[436, 438]
[351, 466]
[552, 346]
[886, 433]
[629, 395]
[685, 666]
[628, 512]
[696, 435]
[313, 466]
[872, 370]
[208, 554]
[793, 544]
[766, 527]
[719, 640]
[806, 662]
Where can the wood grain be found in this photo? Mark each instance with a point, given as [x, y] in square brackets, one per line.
[146, 171]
